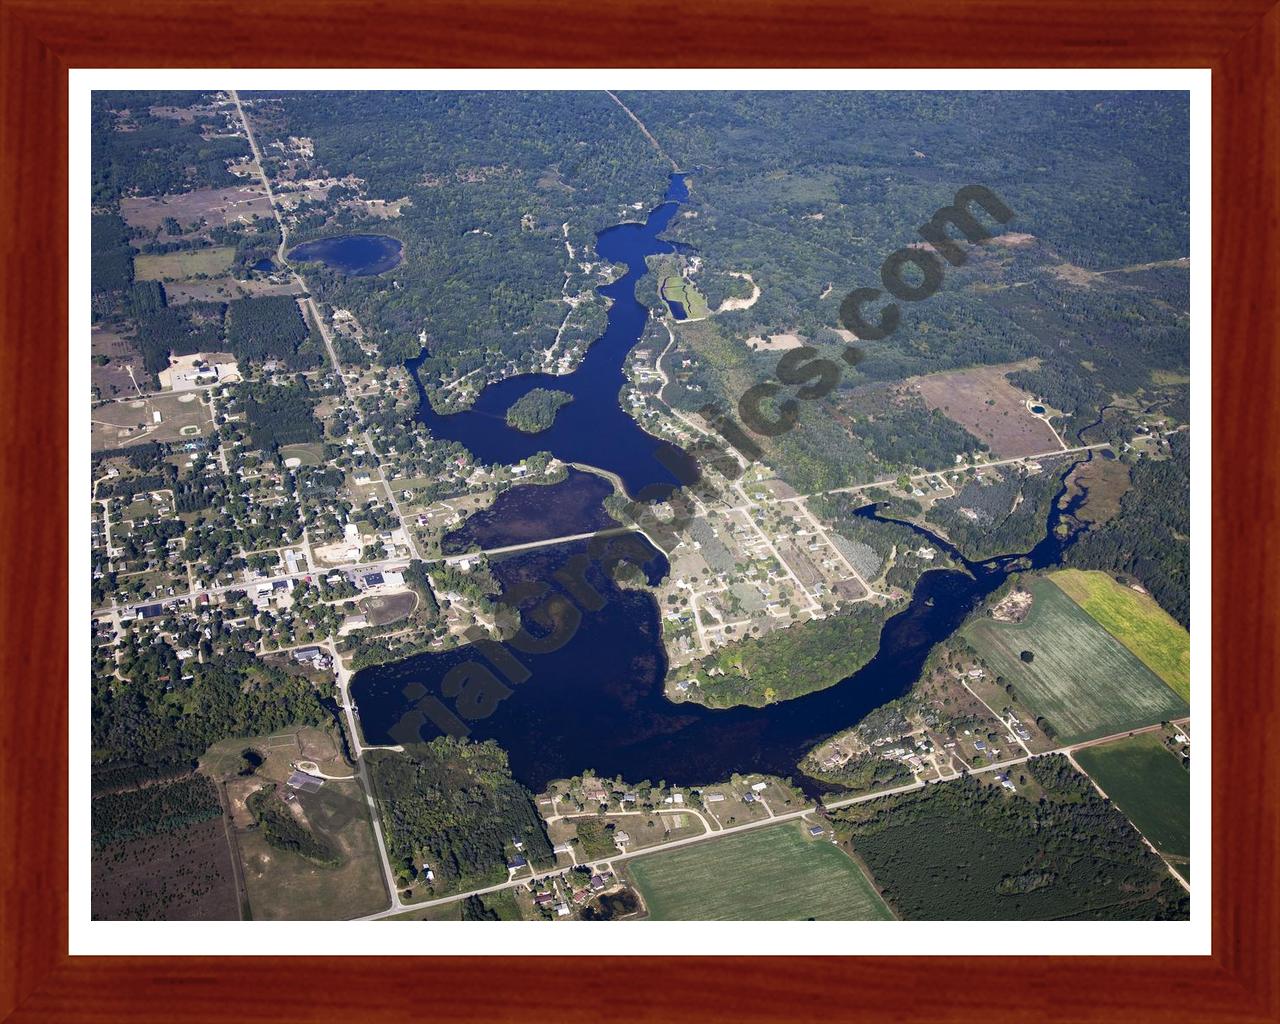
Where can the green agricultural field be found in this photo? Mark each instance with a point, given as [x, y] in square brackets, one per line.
[1081, 679]
[767, 874]
[968, 850]
[1134, 619]
[178, 266]
[1148, 784]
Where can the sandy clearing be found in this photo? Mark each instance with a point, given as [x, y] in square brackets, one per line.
[730, 304]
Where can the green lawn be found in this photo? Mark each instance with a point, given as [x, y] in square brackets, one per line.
[1148, 784]
[308, 454]
[768, 874]
[673, 287]
[1081, 679]
[443, 912]
[1134, 619]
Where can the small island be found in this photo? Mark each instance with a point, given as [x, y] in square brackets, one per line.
[536, 411]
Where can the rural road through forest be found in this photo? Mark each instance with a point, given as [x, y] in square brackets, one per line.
[595, 865]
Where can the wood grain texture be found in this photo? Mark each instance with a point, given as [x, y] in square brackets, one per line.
[40, 40]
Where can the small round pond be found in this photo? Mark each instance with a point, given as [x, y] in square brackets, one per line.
[353, 255]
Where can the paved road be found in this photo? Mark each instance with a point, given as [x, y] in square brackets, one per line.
[344, 677]
[508, 549]
[763, 822]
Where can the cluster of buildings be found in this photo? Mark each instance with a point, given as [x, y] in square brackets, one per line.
[314, 657]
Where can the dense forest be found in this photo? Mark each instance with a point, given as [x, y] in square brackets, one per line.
[272, 328]
[811, 212]
[536, 411]
[786, 663]
[1150, 536]
[279, 415]
[161, 711]
[137, 151]
[1102, 177]
[453, 805]
[485, 251]
[1001, 512]
[965, 850]
[153, 809]
[178, 330]
[110, 262]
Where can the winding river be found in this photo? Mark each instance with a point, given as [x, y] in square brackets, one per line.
[592, 429]
[597, 701]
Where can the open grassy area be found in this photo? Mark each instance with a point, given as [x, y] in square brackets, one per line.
[285, 886]
[1081, 679]
[307, 454]
[768, 874]
[119, 424]
[387, 608]
[983, 401]
[443, 912]
[1134, 619]
[674, 287]
[178, 266]
[1103, 482]
[1148, 784]
[282, 884]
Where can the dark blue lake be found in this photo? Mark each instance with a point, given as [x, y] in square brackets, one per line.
[531, 513]
[594, 699]
[593, 428]
[597, 701]
[353, 255]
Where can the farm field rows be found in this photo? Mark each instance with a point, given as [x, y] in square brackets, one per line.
[768, 874]
[1081, 679]
[1148, 784]
[1134, 619]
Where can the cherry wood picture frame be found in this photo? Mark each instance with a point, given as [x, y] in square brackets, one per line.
[41, 39]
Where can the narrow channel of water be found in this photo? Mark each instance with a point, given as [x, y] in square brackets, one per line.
[593, 429]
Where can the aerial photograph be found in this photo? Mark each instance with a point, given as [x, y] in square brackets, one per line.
[633, 505]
